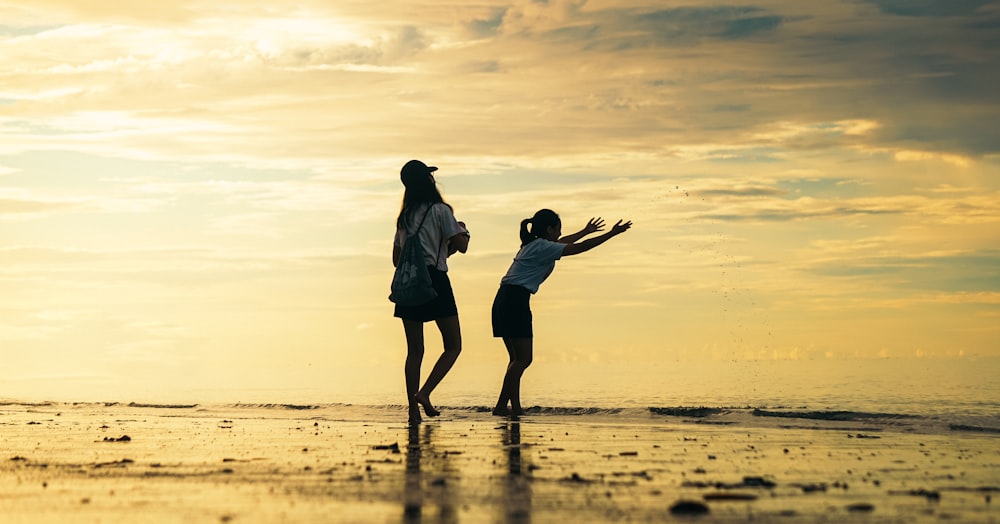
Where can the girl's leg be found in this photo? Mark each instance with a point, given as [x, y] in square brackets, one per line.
[414, 356]
[451, 334]
[520, 350]
[523, 353]
[501, 408]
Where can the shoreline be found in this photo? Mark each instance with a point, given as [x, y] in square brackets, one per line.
[775, 417]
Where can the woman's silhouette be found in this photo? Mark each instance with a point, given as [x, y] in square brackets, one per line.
[440, 236]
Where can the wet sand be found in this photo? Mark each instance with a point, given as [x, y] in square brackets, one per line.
[136, 463]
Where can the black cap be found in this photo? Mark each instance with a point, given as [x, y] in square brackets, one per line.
[414, 171]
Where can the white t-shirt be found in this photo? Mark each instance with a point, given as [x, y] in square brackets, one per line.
[439, 226]
[533, 263]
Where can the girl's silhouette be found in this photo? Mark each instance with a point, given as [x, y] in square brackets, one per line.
[541, 246]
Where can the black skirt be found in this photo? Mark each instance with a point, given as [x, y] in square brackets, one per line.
[441, 306]
[512, 312]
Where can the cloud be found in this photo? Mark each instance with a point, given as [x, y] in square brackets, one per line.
[625, 29]
[488, 25]
[967, 272]
[745, 27]
[692, 25]
[929, 8]
[23, 30]
[906, 155]
[738, 191]
[531, 17]
[732, 108]
[29, 207]
[971, 210]
[580, 78]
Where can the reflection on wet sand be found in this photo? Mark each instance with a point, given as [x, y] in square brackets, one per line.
[432, 480]
[358, 464]
[517, 485]
[428, 491]
[412, 492]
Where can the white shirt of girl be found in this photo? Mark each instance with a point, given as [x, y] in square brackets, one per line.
[533, 263]
[439, 226]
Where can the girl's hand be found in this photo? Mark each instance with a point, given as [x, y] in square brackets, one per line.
[594, 225]
[620, 228]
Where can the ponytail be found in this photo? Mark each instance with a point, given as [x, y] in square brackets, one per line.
[525, 235]
[543, 219]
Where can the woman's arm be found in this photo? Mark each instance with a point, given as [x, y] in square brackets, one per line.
[593, 225]
[591, 243]
[395, 255]
[459, 242]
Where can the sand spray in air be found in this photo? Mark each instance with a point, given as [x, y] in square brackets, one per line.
[743, 333]
[743, 318]
[745, 324]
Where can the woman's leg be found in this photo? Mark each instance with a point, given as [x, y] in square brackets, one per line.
[520, 350]
[451, 334]
[414, 356]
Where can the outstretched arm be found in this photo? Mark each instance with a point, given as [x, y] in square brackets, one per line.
[591, 243]
[593, 225]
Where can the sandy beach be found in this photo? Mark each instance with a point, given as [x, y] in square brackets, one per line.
[122, 462]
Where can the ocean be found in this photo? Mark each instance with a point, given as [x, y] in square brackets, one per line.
[935, 395]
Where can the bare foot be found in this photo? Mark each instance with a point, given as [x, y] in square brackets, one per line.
[501, 412]
[426, 403]
[415, 415]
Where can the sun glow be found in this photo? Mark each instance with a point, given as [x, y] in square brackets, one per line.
[217, 182]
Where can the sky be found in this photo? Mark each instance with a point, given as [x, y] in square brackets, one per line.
[200, 196]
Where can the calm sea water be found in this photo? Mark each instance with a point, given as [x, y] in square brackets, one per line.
[962, 391]
[906, 386]
[939, 393]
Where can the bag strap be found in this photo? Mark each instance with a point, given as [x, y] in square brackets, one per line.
[437, 256]
[417, 231]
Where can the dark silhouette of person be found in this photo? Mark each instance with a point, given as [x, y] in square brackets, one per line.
[541, 246]
[440, 236]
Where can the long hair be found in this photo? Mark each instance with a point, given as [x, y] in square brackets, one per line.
[420, 188]
[543, 219]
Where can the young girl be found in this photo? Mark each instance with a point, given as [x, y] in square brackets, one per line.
[541, 246]
[440, 236]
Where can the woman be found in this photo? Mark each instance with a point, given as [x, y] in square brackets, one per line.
[440, 236]
[541, 246]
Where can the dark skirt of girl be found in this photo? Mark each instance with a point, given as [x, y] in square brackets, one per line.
[511, 312]
[442, 306]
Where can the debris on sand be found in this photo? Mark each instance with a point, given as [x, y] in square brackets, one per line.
[688, 507]
[394, 447]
